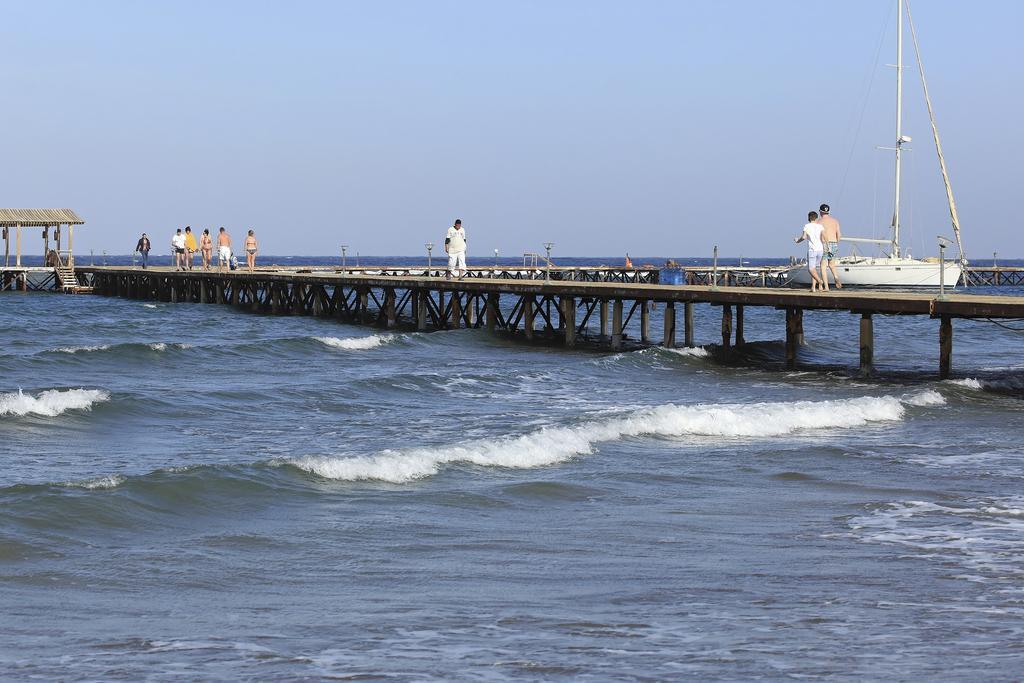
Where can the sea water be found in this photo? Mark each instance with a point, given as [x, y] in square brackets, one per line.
[190, 491]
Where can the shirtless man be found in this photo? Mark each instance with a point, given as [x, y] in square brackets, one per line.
[830, 235]
[251, 247]
[223, 249]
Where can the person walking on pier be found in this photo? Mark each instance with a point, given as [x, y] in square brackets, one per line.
[812, 233]
[455, 247]
[190, 246]
[206, 248]
[251, 247]
[223, 249]
[830, 235]
[143, 248]
[178, 246]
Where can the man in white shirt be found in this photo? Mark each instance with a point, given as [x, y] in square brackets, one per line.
[812, 233]
[455, 247]
[178, 244]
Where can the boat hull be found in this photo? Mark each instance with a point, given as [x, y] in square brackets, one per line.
[885, 272]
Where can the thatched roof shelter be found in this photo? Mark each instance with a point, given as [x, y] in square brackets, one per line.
[38, 218]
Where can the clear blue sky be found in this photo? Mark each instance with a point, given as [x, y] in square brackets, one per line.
[657, 128]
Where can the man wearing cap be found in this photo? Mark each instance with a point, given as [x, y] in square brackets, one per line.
[455, 247]
[830, 235]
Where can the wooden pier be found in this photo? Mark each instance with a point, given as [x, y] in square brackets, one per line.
[558, 310]
[774, 276]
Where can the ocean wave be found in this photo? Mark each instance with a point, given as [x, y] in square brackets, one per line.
[1011, 384]
[357, 343]
[81, 349]
[694, 352]
[551, 445]
[126, 346]
[104, 482]
[52, 402]
[985, 537]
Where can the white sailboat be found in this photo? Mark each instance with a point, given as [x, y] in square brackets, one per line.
[896, 267]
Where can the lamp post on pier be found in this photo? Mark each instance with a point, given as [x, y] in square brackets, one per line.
[344, 250]
[547, 247]
[430, 253]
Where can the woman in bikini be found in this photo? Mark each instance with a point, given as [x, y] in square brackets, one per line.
[251, 246]
[206, 248]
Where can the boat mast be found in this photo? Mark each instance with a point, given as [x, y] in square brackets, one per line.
[895, 252]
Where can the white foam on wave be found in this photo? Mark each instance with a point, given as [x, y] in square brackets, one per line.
[551, 445]
[149, 305]
[969, 383]
[984, 537]
[925, 399]
[1010, 383]
[163, 346]
[357, 343]
[52, 402]
[695, 351]
[82, 349]
[108, 482]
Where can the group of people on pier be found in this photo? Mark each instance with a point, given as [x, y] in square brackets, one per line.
[184, 248]
[822, 235]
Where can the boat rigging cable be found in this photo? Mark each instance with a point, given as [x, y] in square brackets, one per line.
[863, 109]
[935, 134]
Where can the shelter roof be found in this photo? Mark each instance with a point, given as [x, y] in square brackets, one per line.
[30, 217]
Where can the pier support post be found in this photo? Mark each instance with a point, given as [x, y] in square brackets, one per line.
[567, 312]
[688, 325]
[867, 344]
[791, 337]
[421, 309]
[275, 299]
[470, 310]
[800, 327]
[456, 321]
[727, 328]
[670, 325]
[529, 313]
[740, 341]
[945, 346]
[390, 318]
[492, 311]
[364, 305]
[603, 312]
[645, 321]
[617, 324]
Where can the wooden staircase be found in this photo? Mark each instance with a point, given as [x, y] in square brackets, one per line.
[67, 281]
